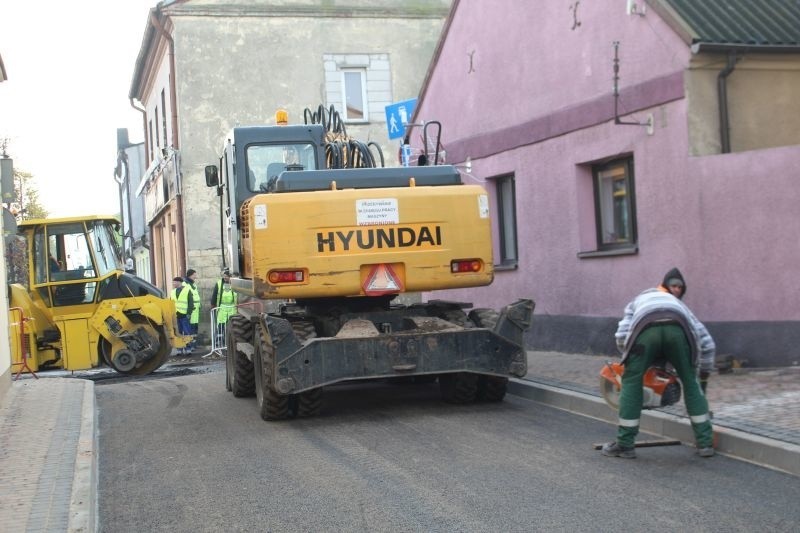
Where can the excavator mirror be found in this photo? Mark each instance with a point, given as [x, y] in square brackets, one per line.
[212, 179]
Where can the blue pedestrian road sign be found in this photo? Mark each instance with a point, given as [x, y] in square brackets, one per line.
[398, 115]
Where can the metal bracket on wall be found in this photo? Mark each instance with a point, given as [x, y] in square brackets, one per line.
[650, 122]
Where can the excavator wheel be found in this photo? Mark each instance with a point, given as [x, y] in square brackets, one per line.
[239, 375]
[460, 387]
[164, 349]
[490, 388]
[306, 403]
[271, 405]
[304, 330]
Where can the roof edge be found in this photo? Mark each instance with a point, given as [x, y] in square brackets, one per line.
[674, 20]
[746, 48]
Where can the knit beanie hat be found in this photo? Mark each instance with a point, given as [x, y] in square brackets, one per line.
[671, 277]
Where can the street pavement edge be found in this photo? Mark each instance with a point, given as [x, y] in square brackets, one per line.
[770, 453]
[83, 500]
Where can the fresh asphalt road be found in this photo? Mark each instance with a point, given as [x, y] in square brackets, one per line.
[182, 454]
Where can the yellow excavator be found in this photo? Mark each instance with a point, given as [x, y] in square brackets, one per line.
[73, 307]
[313, 223]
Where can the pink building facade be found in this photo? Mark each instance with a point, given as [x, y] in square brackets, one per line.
[588, 212]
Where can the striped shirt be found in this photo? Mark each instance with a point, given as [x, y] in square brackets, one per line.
[654, 301]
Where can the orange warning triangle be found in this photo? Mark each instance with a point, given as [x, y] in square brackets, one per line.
[382, 280]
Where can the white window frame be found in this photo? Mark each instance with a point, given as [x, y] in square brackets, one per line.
[506, 198]
[615, 205]
[364, 102]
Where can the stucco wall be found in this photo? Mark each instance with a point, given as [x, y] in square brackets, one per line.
[728, 221]
[239, 71]
[763, 102]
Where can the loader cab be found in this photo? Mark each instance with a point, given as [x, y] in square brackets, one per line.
[70, 258]
[252, 158]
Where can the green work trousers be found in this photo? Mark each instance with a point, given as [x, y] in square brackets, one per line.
[667, 341]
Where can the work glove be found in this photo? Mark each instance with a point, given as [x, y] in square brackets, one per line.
[704, 380]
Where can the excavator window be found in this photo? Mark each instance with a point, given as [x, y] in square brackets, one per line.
[61, 255]
[266, 161]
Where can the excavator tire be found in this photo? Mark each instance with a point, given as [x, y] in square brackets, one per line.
[490, 388]
[309, 402]
[304, 330]
[271, 405]
[239, 375]
[306, 403]
[460, 387]
[149, 366]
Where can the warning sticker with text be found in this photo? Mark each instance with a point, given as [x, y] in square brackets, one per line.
[377, 211]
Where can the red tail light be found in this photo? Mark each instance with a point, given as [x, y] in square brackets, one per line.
[286, 276]
[466, 265]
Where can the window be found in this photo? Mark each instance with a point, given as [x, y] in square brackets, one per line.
[156, 135]
[163, 117]
[266, 161]
[354, 84]
[150, 137]
[506, 220]
[615, 211]
[359, 86]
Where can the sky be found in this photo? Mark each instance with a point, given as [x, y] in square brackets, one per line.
[69, 67]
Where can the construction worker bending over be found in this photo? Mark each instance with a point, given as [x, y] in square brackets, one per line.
[657, 324]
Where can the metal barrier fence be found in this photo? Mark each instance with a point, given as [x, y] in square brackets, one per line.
[218, 337]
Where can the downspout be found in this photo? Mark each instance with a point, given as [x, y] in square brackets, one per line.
[173, 96]
[722, 96]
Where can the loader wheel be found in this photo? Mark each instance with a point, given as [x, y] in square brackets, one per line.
[239, 374]
[271, 405]
[460, 387]
[152, 364]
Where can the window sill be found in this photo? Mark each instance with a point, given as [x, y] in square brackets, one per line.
[627, 250]
[506, 266]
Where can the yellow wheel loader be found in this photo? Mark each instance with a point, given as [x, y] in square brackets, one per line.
[73, 307]
[308, 221]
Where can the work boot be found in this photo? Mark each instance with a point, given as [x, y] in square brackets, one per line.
[612, 449]
[706, 452]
